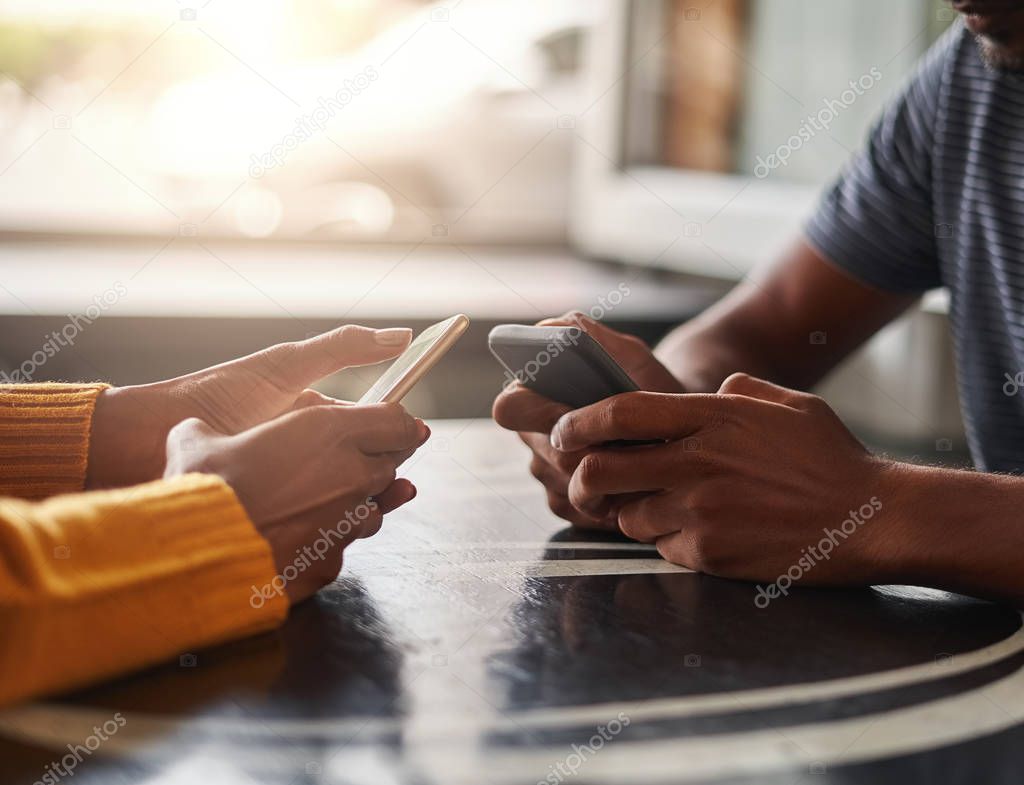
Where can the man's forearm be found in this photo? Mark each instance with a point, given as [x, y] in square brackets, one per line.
[756, 329]
[790, 323]
[702, 353]
[956, 530]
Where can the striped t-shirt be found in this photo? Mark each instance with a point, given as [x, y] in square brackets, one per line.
[936, 198]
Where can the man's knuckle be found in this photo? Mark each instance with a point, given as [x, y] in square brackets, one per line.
[813, 404]
[538, 468]
[736, 382]
[560, 506]
[616, 413]
[566, 463]
[590, 470]
[705, 502]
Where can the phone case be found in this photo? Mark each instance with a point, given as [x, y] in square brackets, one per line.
[561, 363]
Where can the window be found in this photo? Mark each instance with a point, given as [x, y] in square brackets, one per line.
[315, 119]
[720, 122]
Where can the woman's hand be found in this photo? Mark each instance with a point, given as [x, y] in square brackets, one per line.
[130, 424]
[312, 481]
[533, 416]
[756, 482]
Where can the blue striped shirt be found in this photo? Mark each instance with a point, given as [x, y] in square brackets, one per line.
[936, 198]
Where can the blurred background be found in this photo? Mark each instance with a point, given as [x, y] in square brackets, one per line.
[188, 181]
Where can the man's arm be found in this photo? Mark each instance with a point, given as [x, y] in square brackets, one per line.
[965, 530]
[764, 326]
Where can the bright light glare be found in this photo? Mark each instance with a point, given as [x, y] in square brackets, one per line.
[258, 211]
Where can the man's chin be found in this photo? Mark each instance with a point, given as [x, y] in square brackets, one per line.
[998, 56]
[998, 28]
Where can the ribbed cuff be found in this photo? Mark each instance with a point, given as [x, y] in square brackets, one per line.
[44, 437]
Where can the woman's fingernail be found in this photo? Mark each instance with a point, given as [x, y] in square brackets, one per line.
[393, 336]
[424, 431]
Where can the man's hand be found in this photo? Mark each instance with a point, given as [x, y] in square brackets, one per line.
[130, 424]
[318, 469]
[751, 482]
[533, 416]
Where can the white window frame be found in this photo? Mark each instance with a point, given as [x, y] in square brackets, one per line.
[719, 225]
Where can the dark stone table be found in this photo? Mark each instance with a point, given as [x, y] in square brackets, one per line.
[478, 640]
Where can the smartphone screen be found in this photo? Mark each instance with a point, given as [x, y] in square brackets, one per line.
[426, 349]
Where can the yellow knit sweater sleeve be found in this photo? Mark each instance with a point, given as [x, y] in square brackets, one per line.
[44, 437]
[95, 584]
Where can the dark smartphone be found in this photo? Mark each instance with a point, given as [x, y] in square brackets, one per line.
[561, 363]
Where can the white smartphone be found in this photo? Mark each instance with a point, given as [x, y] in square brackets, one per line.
[412, 365]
